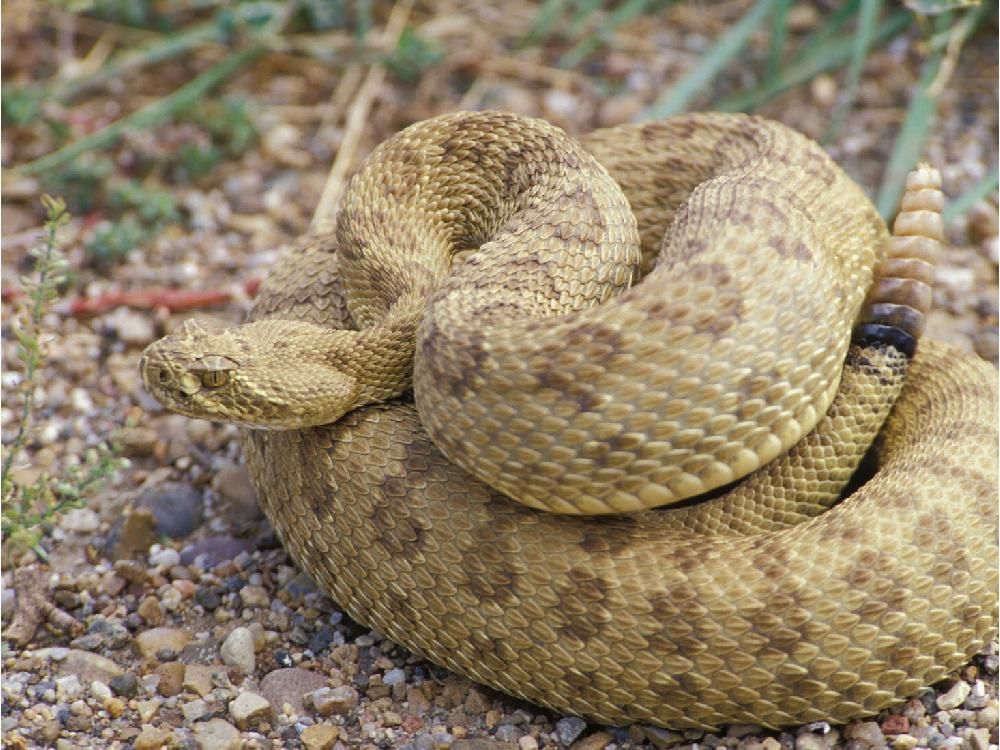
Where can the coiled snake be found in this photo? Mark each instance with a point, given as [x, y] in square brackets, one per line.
[489, 261]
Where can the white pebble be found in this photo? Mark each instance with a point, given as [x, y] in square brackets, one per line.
[68, 688]
[955, 697]
[237, 650]
[80, 520]
[82, 403]
[165, 557]
[100, 691]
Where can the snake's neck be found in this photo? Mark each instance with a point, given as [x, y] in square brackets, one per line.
[381, 358]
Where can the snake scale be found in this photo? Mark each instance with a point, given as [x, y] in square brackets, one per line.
[600, 328]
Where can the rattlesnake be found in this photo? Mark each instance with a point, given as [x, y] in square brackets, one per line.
[545, 370]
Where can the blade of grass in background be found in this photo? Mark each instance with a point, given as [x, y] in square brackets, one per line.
[545, 19]
[812, 62]
[830, 27]
[864, 36]
[720, 54]
[157, 51]
[909, 144]
[910, 141]
[972, 196]
[779, 37]
[149, 116]
[622, 14]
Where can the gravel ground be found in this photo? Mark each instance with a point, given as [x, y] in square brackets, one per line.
[172, 617]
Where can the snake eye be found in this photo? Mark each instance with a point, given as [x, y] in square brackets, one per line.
[214, 370]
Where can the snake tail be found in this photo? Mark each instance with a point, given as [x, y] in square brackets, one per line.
[895, 311]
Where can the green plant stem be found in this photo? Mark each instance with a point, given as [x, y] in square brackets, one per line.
[972, 196]
[729, 45]
[31, 354]
[149, 116]
[779, 37]
[157, 51]
[816, 60]
[863, 39]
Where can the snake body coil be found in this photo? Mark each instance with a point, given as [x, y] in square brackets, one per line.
[569, 390]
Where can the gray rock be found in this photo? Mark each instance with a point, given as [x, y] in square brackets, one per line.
[68, 688]
[393, 676]
[124, 685]
[868, 733]
[255, 596]
[237, 650]
[156, 641]
[232, 482]
[290, 686]
[80, 520]
[209, 552]
[194, 710]
[329, 701]
[249, 709]
[178, 508]
[507, 733]
[569, 729]
[87, 666]
[217, 734]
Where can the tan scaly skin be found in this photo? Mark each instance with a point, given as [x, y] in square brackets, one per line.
[538, 369]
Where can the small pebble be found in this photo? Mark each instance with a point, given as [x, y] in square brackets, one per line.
[237, 650]
[290, 686]
[148, 709]
[198, 678]
[979, 739]
[151, 738]
[151, 611]
[124, 685]
[569, 729]
[955, 696]
[171, 678]
[866, 732]
[80, 520]
[217, 734]
[194, 710]
[334, 701]
[319, 737]
[164, 557]
[158, 640]
[100, 690]
[249, 709]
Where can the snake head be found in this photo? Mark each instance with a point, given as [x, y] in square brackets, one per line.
[268, 374]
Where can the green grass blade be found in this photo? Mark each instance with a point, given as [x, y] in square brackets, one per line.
[720, 54]
[545, 19]
[625, 12]
[920, 114]
[813, 62]
[863, 39]
[829, 29]
[779, 37]
[972, 196]
[149, 116]
[158, 51]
